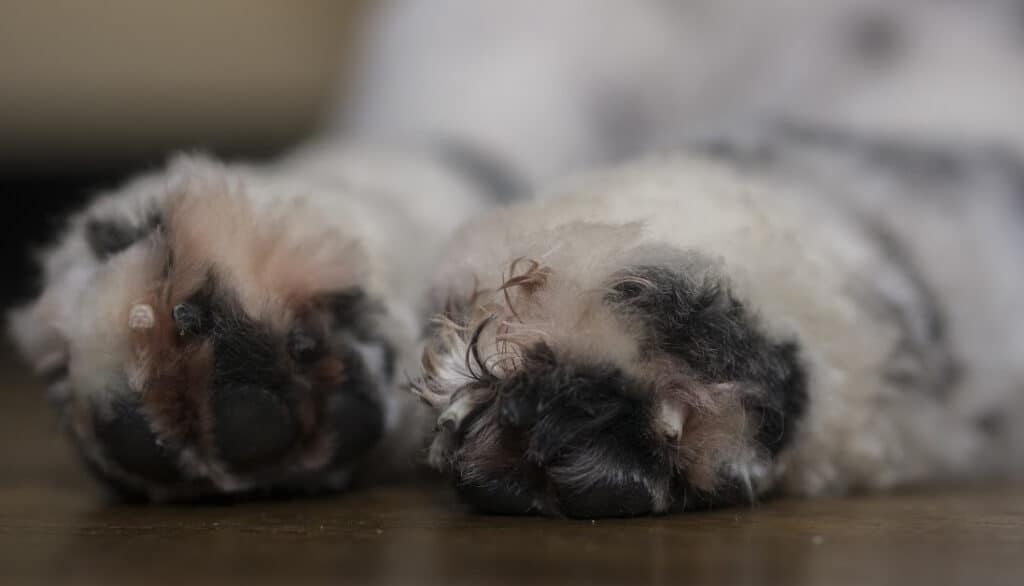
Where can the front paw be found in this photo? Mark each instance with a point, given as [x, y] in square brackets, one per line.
[562, 437]
[198, 342]
[233, 408]
[645, 392]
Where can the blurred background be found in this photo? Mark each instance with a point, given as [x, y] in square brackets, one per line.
[93, 92]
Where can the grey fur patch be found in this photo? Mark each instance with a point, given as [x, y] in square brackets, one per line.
[922, 359]
[700, 321]
[919, 164]
[109, 236]
[485, 171]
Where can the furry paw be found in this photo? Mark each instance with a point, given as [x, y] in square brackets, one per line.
[561, 436]
[652, 392]
[202, 341]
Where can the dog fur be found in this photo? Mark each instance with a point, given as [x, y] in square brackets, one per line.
[215, 328]
[701, 329]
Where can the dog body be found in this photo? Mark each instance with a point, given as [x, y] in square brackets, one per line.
[795, 309]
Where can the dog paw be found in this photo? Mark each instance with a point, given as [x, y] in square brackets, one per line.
[652, 391]
[560, 436]
[197, 344]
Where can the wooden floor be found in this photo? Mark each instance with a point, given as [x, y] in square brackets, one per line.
[55, 528]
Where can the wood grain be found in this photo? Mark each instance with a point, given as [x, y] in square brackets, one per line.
[56, 528]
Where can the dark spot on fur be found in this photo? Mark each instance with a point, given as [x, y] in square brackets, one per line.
[128, 440]
[701, 322]
[107, 237]
[189, 319]
[303, 346]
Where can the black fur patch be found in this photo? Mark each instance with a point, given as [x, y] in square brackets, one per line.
[107, 237]
[578, 403]
[577, 439]
[559, 416]
[706, 326]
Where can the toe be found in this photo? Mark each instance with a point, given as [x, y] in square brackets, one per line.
[130, 443]
[253, 426]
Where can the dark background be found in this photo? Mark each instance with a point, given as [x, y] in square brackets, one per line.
[94, 93]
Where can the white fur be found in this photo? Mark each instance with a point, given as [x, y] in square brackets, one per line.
[558, 86]
[796, 260]
[377, 217]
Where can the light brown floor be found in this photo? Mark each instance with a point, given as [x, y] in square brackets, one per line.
[54, 528]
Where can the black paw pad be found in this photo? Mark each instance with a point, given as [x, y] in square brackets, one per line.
[253, 427]
[607, 499]
[131, 444]
[358, 425]
[497, 497]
